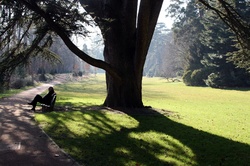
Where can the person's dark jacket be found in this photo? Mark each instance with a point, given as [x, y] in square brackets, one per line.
[48, 98]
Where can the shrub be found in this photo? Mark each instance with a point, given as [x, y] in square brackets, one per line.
[29, 82]
[222, 80]
[75, 74]
[53, 71]
[80, 73]
[49, 77]
[42, 77]
[198, 76]
[18, 84]
[41, 71]
[187, 77]
[240, 78]
[213, 80]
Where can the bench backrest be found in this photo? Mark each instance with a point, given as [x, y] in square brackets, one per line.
[53, 101]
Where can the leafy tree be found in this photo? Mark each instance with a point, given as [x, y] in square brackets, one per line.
[235, 14]
[218, 38]
[66, 56]
[188, 29]
[155, 55]
[126, 38]
[209, 41]
[162, 59]
[16, 48]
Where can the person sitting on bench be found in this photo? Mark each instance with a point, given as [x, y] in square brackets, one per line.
[44, 100]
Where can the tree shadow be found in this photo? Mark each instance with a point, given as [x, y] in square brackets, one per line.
[242, 89]
[111, 143]
[209, 149]
[22, 142]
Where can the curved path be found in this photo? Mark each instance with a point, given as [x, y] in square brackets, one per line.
[22, 142]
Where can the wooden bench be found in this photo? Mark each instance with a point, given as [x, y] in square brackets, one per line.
[50, 107]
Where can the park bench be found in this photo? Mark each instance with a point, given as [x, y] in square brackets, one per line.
[50, 107]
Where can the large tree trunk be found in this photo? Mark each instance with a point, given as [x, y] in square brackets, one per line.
[126, 45]
[120, 40]
[127, 91]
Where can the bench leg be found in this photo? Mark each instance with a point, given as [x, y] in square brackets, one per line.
[47, 109]
[44, 109]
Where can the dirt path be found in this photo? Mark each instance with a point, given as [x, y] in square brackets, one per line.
[22, 142]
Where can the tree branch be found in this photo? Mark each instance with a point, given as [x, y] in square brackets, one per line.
[147, 18]
[60, 32]
[231, 19]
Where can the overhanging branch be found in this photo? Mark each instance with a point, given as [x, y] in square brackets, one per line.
[59, 31]
[147, 18]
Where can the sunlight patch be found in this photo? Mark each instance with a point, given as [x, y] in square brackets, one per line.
[164, 147]
[7, 147]
[122, 151]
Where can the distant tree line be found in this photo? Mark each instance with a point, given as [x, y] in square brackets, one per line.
[214, 53]
[163, 59]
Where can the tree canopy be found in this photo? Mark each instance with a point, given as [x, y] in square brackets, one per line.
[236, 15]
[212, 46]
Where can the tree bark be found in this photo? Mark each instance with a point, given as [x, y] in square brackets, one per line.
[126, 45]
[120, 39]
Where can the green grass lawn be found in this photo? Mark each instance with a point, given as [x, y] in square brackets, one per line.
[193, 126]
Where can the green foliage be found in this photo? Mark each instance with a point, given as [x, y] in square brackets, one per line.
[187, 77]
[240, 58]
[42, 77]
[80, 73]
[198, 77]
[18, 84]
[213, 80]
[53, 71]
[235, 14]
[211, 46]
[41, 70]
[222, 80]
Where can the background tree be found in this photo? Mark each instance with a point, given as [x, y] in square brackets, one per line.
[208, 42]
[235, 14]
[19, 41]
[187, 30]
[162, 59]
[219, 39]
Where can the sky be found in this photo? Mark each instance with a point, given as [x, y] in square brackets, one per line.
[162, 17]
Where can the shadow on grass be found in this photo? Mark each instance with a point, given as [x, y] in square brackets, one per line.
[155, 140]
[243, 89]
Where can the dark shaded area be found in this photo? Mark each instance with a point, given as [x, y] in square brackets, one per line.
[209, 149]
[22, 142]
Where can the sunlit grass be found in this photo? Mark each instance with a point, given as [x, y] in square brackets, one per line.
[205, 127]
[87, 92]
[219, 111]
